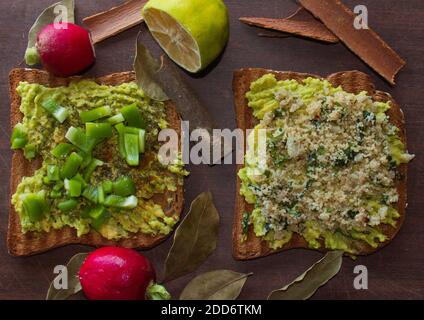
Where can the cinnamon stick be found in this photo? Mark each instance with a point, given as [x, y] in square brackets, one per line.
[363, 42]
[301, 23]
[106, 24]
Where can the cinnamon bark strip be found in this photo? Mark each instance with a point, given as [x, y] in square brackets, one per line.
[364, 42]
[301, 23]
[115, 20]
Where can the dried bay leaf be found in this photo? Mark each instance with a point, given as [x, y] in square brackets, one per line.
[74, 285]
[46, 17]
[145, 67]
[162, 80]
[195, 238]
[304, 286]
[215, 285]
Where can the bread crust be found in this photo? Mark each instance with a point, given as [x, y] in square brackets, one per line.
[351, 81]
[25, 244]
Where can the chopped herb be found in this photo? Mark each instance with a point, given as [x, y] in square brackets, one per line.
[245, 223]
[352, 213]
[384, 199]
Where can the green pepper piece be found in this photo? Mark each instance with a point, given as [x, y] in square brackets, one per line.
[71, 166]
[132, 149]
[30, 151]
[79, 178]
[107, 186]
[95, 114]
[79, 139]
[121, 202]
[91, 194]
[86, 158]
[121, 142]
[62, 150]
[99, 216]
[133, 116]
[57, 111]
[101, 194]
[35, 206]
[73, 187]
[141, 136]
[58, 186]
[116, 119]
[98, 130]
[53, 172]
[94, 163]
[124, 187]
[19, 138]
[67, 205]
[85, 213]
[54, 194]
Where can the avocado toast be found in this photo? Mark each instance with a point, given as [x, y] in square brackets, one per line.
[153, 209]
[357, 227]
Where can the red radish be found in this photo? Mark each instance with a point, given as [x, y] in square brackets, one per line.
[65, 52]
[112, 273]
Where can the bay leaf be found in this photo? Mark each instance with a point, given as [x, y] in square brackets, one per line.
[195, 238]
[46, 17]
[74, 285]
[145, 67]
[304, 286]
[215, 285]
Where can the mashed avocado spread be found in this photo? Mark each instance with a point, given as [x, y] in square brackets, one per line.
[100, 169]
[330, 166]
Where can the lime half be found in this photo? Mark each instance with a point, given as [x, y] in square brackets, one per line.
[192, 32]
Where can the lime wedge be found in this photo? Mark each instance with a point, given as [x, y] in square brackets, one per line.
[192, 32]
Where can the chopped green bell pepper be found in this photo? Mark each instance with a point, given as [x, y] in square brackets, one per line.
[62, 150]
[94, 163]
[99, 216]
[79, 139]
[35, 206]
[107, 186]
[73, 187]
[67, 205]
[116, 119]
[57, 111]
[121, 202]
[86, 158]
[98, 130]
[30, 151]
[101, 194]
[53, 172]
[91, 193]
[124, 187]
[58, 186]
[71, 166]
[133, 116]
[95, 114]
[132, 149]
[19, 137]
[141, 136]
[121, 139]
[54, 194]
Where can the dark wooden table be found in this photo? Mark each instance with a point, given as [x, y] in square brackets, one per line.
[396, 272]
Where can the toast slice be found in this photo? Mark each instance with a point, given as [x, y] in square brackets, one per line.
[351, 81]
[24, 244]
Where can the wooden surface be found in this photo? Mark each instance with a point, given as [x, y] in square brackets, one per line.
[395, 272]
